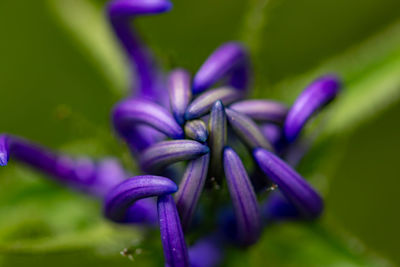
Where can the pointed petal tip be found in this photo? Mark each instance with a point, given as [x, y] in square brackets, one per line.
[3, 160]
[297, 190]
[118, 8]
[314, 97]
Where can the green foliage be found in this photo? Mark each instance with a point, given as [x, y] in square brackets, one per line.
[72, 72]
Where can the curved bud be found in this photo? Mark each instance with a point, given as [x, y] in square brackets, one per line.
[243, 198]
[190, 188]
[129, 113]
[119, 200]
[203, 103]
[196, 130]
[262, 110]
[217, 140]
[180, 93]
[247, 130]
[165, 153]
[173, 241]
[230, 60]
[290, 183]
[313, 98]
[147, 75]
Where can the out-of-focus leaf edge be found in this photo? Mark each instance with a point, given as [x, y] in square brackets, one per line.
[86, 25]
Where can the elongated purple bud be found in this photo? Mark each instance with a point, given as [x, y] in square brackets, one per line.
[173, 241]
[243, 198]
[165, 153]
[229, 59]
[81, 173]
[132, 112]
[120, 13]
[247, 130]
[217, 140]
[180, 93]
[262, 110]
[119, 200]
[207, 252]
[290, 183]
[318, 94]
[203, 103]
[190, 189]
[196, 130]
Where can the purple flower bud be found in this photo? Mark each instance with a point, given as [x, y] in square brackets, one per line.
[180, 93]
[165, 153]
[82, 173]
[247, 130]
[262, 110]
[173, 241]
[203, 103]
[229, 59]
[318, 94]
[120, 13]
[190, 188]
[218, 136]
[119, 200]
[207, 252]
[131, 112]
[290, 183]
[243, 198]
[196, 130]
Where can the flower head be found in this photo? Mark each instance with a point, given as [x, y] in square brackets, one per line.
[208, 124]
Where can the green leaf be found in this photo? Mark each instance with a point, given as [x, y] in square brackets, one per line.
[296, 244]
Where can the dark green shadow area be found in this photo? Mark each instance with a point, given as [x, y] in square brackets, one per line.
[364, 192]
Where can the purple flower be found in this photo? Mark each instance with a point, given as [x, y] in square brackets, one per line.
[189, 132]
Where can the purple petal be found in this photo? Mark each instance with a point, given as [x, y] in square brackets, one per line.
[120, 13]
[313, 98]
[290, 183]
[262, 110]
[247, 130]
[165, 153]
[206, 252]
[119, 200]
[243, 198]
[173, 241]
[196, 130]
[229, 59]
[132, 112]
[217, 140]
[203, 103]
[190, 189]
[180, 93]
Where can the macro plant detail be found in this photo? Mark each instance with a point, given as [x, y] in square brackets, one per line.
[207, 123]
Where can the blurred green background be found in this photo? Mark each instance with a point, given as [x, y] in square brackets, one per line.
[61, 72]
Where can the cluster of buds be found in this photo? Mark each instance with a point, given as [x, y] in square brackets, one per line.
[187, 135]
